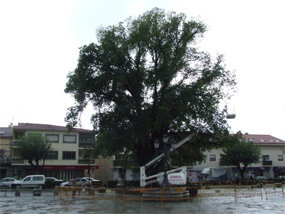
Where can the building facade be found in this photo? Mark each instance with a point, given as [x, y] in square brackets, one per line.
[271, 164]
[6, 137]
[68, 156]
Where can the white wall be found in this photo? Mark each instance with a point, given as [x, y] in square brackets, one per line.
[271, 150]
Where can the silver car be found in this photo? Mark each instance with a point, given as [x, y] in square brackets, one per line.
[30, 181]
[7, 182]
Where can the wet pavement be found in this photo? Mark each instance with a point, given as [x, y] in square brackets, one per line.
[47, 203]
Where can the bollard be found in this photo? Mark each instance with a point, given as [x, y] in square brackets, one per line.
[235, 193]
[37, 192]
[18, 191]
[73, 192]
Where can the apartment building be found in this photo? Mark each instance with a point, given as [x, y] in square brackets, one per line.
[6, 137]
[66, 160]
[272, 163]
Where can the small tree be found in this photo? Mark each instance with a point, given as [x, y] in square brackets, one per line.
[33, 148]
[240, 153]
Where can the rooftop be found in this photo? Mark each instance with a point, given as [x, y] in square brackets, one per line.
[46, 127]
[6, 132]
[263, 139]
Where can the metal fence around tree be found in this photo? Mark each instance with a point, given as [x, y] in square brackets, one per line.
[168, 194]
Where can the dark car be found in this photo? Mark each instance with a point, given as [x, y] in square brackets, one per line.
[51, 182]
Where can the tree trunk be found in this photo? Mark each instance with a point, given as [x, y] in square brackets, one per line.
[241, 171]
[37, 167]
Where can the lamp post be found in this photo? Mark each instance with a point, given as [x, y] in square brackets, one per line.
[88, 159]
[156, 144]
[165, 182]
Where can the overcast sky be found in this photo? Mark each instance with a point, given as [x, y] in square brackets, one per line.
[39, 44]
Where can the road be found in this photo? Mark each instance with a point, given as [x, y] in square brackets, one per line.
[46, 203]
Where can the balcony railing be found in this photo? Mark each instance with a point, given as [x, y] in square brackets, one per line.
[85, 144]
[5, 161]
[267, 163]
[18, 161]
[15, 142]
[86, 162]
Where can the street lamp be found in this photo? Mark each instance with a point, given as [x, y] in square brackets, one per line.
[156, 144]
[165, 149]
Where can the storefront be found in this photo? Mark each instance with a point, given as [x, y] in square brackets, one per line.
[256, 171]
[68, 172]
[279, 171]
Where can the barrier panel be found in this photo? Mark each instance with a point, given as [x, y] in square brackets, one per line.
[127, 194]
[273, 189]
[168, 194]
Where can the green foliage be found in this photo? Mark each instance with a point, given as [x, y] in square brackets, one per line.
[33, 148]
[146, 78]
[240, 153]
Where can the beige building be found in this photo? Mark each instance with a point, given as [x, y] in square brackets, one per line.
[272, 163]
[5, 151]
[68, 156]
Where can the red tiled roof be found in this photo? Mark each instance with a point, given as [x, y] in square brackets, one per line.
[263, 139]
[46, 127]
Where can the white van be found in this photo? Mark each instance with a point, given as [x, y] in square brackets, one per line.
[31, 181]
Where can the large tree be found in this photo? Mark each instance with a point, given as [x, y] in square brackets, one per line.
[34, 149]
[146, 78]
[240, 153]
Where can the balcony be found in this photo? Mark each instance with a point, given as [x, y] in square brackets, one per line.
[86, 139]
[5, 161]
[267, 163]
[15, 142]
[86, 144]
[18, 161]
[82, 161]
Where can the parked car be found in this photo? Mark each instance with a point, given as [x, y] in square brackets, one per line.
[83, 182]
[68, 183]
[250, 176]
[30, 181]
[51, 182]
[93, 181]
[281, 177]
[7, 182]
[261, 178]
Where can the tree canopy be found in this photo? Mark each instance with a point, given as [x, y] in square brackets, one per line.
[240, 153]
[33, 148]
[145, 78]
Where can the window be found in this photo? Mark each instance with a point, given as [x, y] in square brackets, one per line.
[52, 138]
[69, 138]
[280, 157]
[27, 179]
[265, 158]
[68, 155]
[2, 153]
[38, 178]
[52, 155]
[16, 152]
[212, 158]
